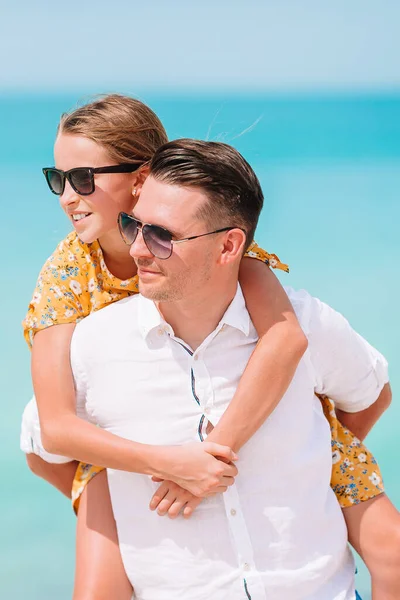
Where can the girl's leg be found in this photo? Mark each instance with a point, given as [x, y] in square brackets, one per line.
[60, 476]
[99, 570]
[100, 574]
[374, 532]
[373, 523]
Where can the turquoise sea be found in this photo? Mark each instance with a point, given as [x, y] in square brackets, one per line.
[330, 169]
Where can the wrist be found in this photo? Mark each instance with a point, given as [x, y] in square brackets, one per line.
[225, 437]
[155, 458]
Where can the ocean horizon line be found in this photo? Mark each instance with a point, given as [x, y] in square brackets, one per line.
[318, 94]
[289, 129]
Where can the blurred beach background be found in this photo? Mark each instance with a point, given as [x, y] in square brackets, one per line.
[309, 94]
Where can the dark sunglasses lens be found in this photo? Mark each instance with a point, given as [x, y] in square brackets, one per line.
[82, 181]
[158, 241]
[55, 181]
[128, 228]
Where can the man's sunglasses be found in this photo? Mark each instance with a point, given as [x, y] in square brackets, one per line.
[81, 179]
[157, 239]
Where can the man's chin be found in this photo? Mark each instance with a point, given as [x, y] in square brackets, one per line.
[149, 290]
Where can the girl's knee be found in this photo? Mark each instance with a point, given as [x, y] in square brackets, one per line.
[35, 464]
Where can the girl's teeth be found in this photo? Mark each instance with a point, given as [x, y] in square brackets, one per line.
[80, 216]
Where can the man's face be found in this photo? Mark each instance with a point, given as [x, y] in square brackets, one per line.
[193, 263]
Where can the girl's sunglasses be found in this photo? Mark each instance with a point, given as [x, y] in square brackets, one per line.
[81, 179]
[157, 239]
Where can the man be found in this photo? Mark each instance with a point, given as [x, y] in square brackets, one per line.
[170, 359]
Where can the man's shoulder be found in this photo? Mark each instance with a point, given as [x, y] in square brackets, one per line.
[315, 315]
[298, 297]
[111, 317]
[304, 304]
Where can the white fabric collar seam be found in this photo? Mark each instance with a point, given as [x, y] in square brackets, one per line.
[236, 316]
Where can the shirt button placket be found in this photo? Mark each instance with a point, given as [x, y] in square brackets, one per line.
[242, 541]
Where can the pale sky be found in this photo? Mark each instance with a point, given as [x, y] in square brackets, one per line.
[197, 46]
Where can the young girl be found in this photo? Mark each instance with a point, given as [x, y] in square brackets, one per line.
[114, 137]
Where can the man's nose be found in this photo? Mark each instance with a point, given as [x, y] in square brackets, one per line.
[139, 249]
[68, 197]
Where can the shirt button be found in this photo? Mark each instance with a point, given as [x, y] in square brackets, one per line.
[246, 567]
[196, 357]
[233, 512]
[160, 331]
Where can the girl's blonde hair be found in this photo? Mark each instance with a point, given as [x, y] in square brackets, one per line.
[125, 127]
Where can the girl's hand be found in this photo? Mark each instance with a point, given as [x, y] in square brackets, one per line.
[170, 499]
[202, 468]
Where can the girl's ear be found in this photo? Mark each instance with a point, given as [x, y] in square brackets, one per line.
[139, 177]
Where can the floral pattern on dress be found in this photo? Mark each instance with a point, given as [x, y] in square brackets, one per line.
[84, 473]
[356, 476]
[75, 282]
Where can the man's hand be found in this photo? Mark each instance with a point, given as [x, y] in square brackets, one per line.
[170, 499]
[202, 468]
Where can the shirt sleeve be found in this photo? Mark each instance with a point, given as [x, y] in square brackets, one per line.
[79, 374]
[60, 295]
[347, 368]
[254, 251]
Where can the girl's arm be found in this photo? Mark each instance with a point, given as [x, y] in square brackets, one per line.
[273, 363]
[266, 378]
[63, 432]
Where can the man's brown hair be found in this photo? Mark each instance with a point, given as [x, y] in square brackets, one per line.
[234, 193]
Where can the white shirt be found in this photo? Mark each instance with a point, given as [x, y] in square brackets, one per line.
[278, 533]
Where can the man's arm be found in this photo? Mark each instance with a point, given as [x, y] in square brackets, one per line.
[346, 367]
[360, 423]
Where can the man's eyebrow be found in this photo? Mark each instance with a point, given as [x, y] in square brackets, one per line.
[175, 234]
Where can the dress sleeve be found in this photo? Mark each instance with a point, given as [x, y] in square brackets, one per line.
[60, 296]
[254, 251]
[347, 368]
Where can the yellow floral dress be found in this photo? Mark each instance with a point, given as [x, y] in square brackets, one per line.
[75, 281]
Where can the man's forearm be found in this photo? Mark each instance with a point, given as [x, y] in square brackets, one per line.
[361, 423]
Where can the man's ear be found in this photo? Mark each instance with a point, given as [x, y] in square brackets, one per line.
[138, 179]
[233, 246]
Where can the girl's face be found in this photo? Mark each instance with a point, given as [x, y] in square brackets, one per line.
[94, 216]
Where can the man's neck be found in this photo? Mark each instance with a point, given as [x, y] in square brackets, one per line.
[193, 319]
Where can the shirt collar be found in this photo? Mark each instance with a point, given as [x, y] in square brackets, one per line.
[236, 316]
[148, 317]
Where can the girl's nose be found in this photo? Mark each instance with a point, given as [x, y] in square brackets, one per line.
[68, 197]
